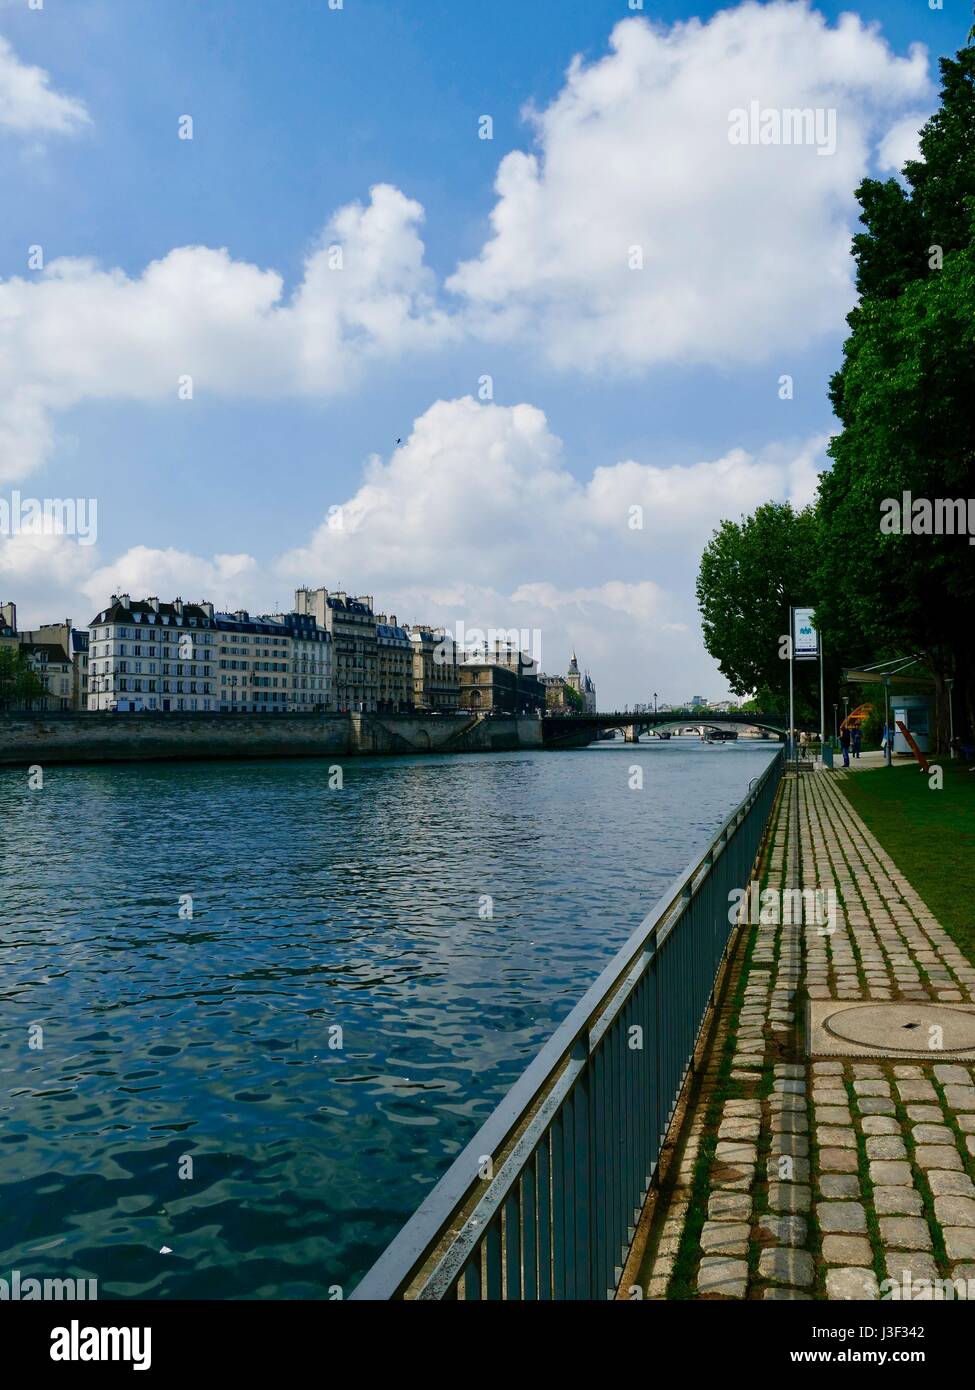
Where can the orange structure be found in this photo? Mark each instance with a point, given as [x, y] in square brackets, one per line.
[857, 717]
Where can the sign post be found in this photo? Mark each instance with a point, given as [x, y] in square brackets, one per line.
[806, 647]
[792, 648]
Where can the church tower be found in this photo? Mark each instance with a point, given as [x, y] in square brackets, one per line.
[574, 676]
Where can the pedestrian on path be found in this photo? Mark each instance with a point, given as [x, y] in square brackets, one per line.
[845, 745]
[856, 742]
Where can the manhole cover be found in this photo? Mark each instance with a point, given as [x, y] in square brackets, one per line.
[917, 1029]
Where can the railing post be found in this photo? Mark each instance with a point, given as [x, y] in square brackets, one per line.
[584, 1196]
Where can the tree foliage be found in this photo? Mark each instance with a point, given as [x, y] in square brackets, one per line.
[19, 683]
[904, 399]
[751, 572]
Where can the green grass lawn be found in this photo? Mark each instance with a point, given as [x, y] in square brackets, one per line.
[930, 836]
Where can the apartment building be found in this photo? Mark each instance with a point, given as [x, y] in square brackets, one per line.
[436, 683]
[52, 666]
[253, 663]
[311, 664]
[74, 643]
[152, 656]
[351, 624]
[394, 666]
[78, 651]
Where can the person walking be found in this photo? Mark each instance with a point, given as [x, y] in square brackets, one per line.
[856, 742]
[845, 745]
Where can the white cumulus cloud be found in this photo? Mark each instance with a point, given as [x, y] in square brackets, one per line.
[902, 142]
[28, 103]
[78, 332]
[745, 248]
[476, 518]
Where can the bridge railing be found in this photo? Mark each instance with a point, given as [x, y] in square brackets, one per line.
[543, 1201]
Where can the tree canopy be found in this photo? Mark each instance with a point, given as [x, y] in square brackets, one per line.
[903, 398]
[19, 683]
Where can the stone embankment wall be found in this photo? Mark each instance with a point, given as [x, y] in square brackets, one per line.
[96, 738]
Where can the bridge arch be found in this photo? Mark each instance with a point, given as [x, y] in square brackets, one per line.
[569, 730]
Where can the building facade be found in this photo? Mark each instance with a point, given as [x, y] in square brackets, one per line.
[280, 664]
[499, 688]
[351, 624]
[436, 679]
[79, 667]
[573, 693]
[52, 665]
[147, 655]
[557, 700]
[254, 659]
[74, 643]
[311, 665]
[8, 622]
[394, 666]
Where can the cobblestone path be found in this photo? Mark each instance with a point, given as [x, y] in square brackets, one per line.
[825, 1179]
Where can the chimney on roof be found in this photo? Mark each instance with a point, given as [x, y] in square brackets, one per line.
[153, 603]
[207, 608]
[125, 600]
[178, 607]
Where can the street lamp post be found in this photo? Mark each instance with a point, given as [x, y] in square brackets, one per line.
[889, 750]
[836, 730]
[949, 682]
[655, 702]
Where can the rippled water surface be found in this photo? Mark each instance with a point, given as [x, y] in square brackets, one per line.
[186, 1093]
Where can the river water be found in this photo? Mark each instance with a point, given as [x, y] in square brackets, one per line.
[250, 1018]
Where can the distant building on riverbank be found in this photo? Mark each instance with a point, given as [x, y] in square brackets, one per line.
[573, 693]
[394, 667]
[351, 624]
[436, 679]
[502, 680]
[331, 653]
[144, 654]
[57, 653]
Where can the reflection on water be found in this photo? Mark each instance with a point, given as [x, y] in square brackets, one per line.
[189, 1092]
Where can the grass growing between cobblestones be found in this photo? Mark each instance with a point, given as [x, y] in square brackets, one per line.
[814, 1239]
[923, 1186]
[930, 836]
[960, 1135]
[866, 1186]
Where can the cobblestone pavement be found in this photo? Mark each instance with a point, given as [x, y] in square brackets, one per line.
[830, 1177]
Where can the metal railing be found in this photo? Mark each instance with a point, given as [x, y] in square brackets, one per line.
[544, 1200]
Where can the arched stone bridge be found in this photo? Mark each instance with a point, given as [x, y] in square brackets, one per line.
[578, 730]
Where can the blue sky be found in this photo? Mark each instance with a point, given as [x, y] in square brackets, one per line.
[299, 111]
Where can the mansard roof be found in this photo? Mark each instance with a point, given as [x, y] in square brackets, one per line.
[142, 611]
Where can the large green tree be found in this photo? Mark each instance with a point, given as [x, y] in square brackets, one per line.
[904, 398]
[751, 573]
[19, 683]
